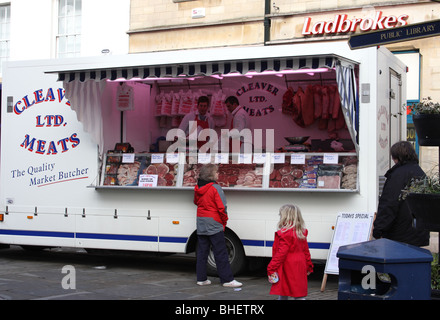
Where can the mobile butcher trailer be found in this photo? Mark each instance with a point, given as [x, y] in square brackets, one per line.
[92, 155]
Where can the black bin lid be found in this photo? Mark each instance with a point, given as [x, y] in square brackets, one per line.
[384, 251]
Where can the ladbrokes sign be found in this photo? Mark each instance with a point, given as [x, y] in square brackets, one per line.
[341, 24]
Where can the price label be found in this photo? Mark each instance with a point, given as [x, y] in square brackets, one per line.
[148, 180]
[221, 158]
[157, 158]
[245, 158]
[172, 157]
[298, 158]
[259, 158]
[128, 158]
[278, 158]
[204, 158]
[331, 158]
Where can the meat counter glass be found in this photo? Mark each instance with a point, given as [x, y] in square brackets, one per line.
[314, 172]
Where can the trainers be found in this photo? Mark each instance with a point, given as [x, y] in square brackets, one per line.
[232, 284]
[204, 283]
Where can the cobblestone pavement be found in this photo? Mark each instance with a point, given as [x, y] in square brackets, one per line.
[40, 275]
[164, 284]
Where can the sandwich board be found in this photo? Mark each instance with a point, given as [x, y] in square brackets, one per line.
[350, 228]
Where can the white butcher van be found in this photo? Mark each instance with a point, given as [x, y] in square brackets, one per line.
[92, 155]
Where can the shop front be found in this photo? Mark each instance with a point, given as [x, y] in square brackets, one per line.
[299, 134]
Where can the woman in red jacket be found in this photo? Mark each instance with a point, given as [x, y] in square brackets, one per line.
[211, 223]
[291, 263]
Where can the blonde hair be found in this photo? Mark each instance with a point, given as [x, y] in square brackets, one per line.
[290, 217]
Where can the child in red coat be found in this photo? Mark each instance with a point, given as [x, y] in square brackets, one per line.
[291, 262]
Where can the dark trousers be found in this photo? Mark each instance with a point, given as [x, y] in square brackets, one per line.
[217, 241]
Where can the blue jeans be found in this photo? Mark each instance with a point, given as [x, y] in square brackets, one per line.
[217, 241]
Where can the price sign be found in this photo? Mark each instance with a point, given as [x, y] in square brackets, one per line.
[148, 180]
[298, 158]
[331, 158]
[204, 158]
[221, 158]
[128, 158]
[260, 158]
[157, 158]
[172, 157]
[245, 158]
[278, 158]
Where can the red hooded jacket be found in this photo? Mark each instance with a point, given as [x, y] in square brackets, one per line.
[291, 260]
[211, 209]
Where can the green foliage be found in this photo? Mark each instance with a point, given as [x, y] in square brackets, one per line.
[426, 106]
[430, 184]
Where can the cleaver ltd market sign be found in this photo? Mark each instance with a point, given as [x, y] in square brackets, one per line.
[343, 24]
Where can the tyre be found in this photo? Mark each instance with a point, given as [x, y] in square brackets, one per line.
[237, 258]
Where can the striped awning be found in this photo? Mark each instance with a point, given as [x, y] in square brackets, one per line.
[347, 87]
[199, 68]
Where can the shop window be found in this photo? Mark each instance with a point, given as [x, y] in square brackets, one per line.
[69, 28]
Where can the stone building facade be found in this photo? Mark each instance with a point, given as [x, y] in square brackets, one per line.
[182, 24]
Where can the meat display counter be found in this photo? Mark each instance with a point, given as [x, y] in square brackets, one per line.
[311, 172]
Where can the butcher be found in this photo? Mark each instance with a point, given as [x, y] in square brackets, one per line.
[240, 121]
[201, 117]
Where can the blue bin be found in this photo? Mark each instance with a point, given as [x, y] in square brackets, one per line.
[408, 269]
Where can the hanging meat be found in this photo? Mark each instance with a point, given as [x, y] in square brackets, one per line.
[308, 110]
[340, 121]
[298, 102]
[317, 103]
[325, 102]
[287, 106]
[322, 125]
[317, 98]
[336, 104]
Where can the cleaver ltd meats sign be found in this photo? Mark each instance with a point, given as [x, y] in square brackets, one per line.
[45, 115]
[258, 98]
[342, 24]
[51, 121]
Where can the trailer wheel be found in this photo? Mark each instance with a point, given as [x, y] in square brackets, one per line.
[237, 258]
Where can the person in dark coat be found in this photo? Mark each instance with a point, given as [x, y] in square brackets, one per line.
[394, 220]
